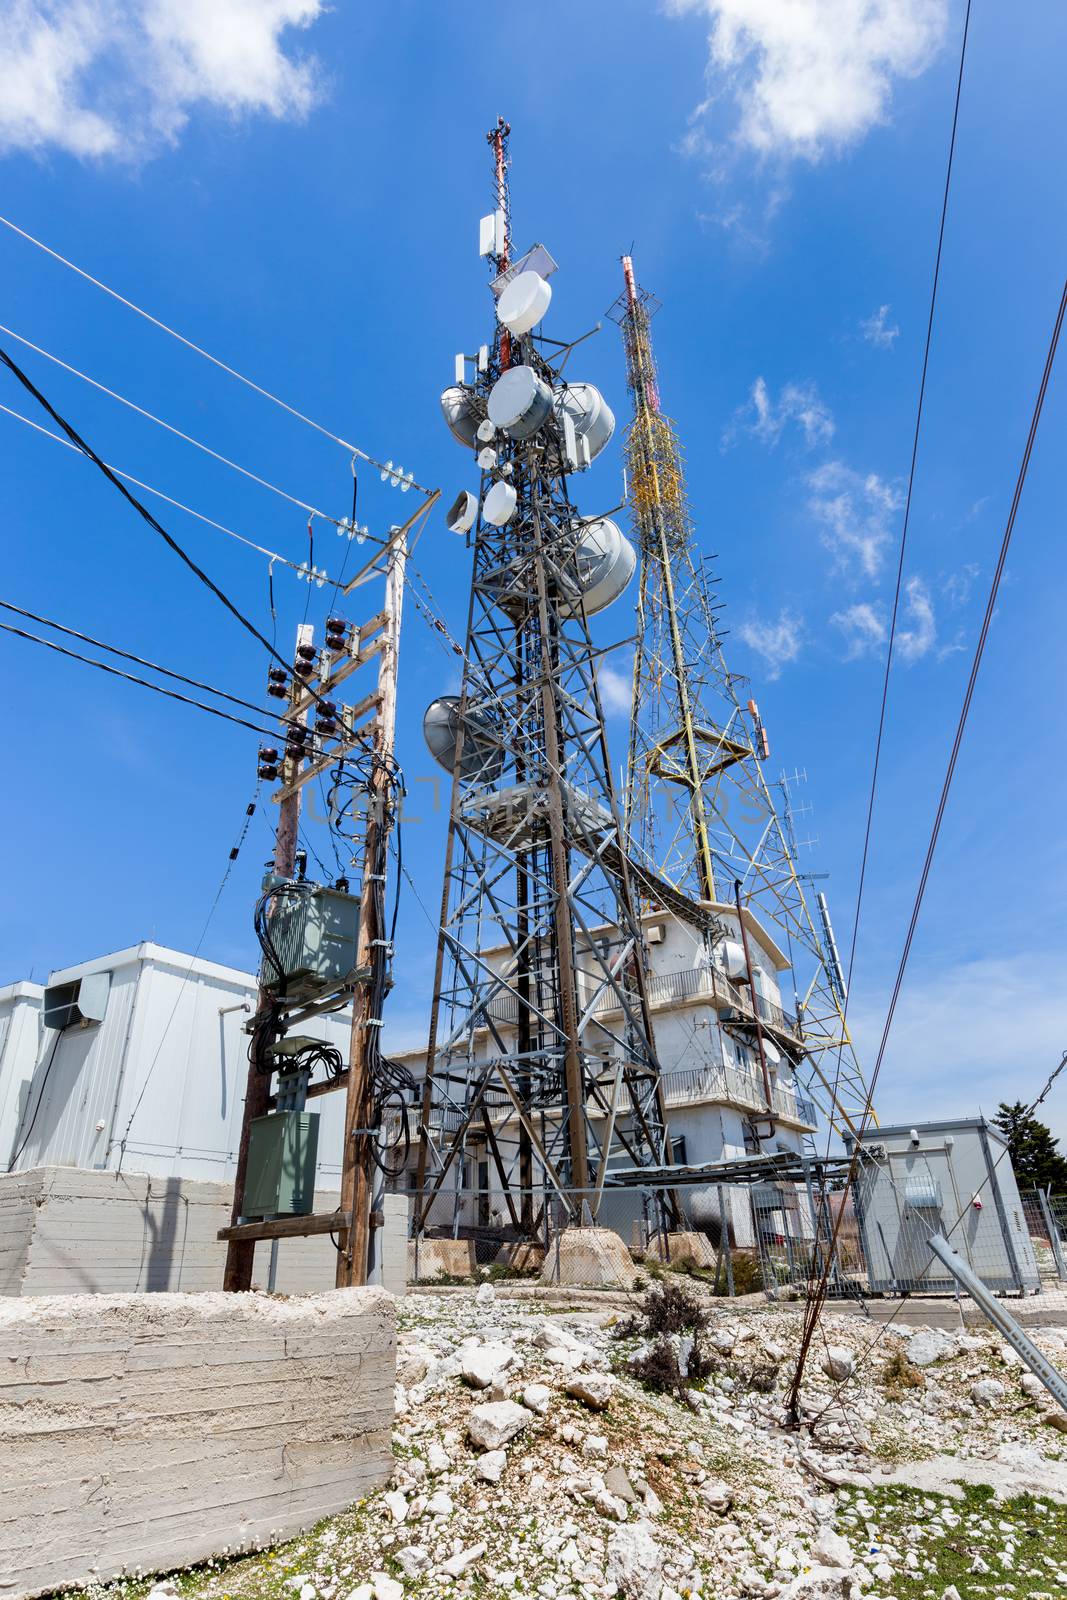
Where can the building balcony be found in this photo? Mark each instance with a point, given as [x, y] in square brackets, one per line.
[692, 1086]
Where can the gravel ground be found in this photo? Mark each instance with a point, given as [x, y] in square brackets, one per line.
[529, 1460]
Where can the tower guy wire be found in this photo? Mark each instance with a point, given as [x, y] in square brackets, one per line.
[814, 1307]
[169, 427]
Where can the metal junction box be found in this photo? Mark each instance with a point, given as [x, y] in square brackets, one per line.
[282, 1152]
[314, 931]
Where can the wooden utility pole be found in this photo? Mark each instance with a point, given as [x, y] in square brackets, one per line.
[240, 1253]
[357, 1162]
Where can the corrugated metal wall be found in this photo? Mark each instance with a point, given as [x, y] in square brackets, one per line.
[158, 1086]
[20, 1033]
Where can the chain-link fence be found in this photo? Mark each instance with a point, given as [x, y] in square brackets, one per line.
[773, 1237]
[738, 1238]
[1046, 1224]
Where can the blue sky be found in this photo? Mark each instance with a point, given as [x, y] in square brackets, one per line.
[298, 189]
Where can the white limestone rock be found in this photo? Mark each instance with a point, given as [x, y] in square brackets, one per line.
[485, 1364]
[537, 1397]
[634, 1562]
[987, 1392]
[929, 1345]
[458, 1564]
[493, 1425]
[832, 1549]
[838, 1363]
[593, 1389]
[490, 1467]
[413, 1560]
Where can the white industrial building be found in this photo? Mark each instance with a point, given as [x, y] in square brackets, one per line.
[122, 1084]
[703, 1015]
[135, 1064]
[153, 1084]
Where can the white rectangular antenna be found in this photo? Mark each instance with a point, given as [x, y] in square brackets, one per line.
[570, 442]
[500, 237]
[483, 358]
[487, 234]
[584, 455]
[461, 368]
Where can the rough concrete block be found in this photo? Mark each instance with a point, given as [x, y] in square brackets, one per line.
[151, 1431]
[687, 1250]
[589, 1258]
[440, 1258]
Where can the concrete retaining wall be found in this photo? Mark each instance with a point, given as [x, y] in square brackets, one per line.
[148, 1432]
[67, 1230]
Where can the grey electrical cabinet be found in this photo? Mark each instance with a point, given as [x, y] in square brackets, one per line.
[952, 1178]
[282, 1151]
[312, 933]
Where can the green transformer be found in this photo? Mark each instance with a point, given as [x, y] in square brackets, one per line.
[312, 932]
[282, 1151]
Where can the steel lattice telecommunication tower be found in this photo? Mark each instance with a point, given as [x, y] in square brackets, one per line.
[698, 809]
[541, 1063]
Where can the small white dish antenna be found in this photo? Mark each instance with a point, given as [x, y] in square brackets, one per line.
[524, 302]
[499, 504]
[461, 514]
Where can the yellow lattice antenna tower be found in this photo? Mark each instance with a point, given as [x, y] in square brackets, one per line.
[698, 808]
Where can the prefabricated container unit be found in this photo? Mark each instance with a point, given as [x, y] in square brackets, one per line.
[953, 1178]
[156, 1084]
[20, 1036]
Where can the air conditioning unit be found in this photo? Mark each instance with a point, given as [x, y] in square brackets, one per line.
[312, 934]
[83, 1001]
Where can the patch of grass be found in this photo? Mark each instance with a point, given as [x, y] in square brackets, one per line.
[899, 1375]
[980, 1526]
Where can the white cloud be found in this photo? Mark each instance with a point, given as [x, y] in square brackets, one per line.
[115, 78]
[616, 691]
[777, 642]
[864, 628]
[920, 636]
[966, 1037]
[855, 510]
[766, 419]
[810, 76]
[876, 329]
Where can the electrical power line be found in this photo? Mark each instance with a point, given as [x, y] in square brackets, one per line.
[250, 811]
[144, 683]
[223, 366]
[817, 1302]
[894, 616]
[127, 477]
[150, 416]
[153, 523]
[113, 649]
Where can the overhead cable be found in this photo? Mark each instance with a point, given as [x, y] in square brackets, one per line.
[200, 351]
[894, 616]
[150, 416]
[127, 477]
[144, 683]
[153, 522]
[815, 1306]
[153, 666]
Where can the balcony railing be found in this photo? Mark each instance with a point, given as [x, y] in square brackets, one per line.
[729, 1086]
